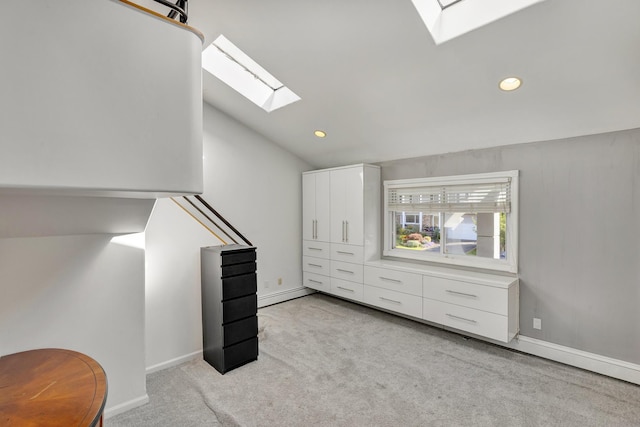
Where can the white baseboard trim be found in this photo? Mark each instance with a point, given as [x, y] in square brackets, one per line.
[124, 407]
[174, 362]
[581, 359]
[281, 296]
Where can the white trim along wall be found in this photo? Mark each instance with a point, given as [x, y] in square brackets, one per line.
[581, 359]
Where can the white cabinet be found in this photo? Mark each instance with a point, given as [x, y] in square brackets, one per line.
[347, 214]
[346, 271]
[394, 280]
[317, 281]
[316, 215]
[316, 249]
[482, 304]
[393, 301]
[393, 290]
[351, 197]
[316, 265]
[346, 289]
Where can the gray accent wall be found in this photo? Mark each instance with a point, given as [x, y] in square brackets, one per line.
[579, 249]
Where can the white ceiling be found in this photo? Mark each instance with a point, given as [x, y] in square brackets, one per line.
[370, 75]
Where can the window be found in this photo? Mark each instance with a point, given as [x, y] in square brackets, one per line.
[466, 220]
[227, 62]
[447, 19]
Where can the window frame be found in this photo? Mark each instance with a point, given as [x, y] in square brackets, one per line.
[510, 264]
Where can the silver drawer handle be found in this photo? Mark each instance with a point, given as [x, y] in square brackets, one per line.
[345, 253]
[390, 300]
[345, 289]
[314, 249]
[390, 280]
[345, 271]
[315, 281]
[314, 265]
[461, 294]
[461, 318]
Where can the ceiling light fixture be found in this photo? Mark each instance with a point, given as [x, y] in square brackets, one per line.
[320, 133]
[510, 83]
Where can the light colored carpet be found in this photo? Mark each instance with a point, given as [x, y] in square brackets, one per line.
[327, 362]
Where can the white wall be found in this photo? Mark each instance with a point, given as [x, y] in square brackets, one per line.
[111, 101]
[257, 186]
[24, 215]
[81, 293]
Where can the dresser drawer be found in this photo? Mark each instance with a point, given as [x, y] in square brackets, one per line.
[239, 354]
[240, 330]
[347, 289]
[239, 308]
[238, 269]
[347, 271]
[316, 249]
[394, 280]
[481, 297]
[347, 253]
[467, 319]
[238, 286]
[316, 281]
[410, 305]
[316, 265]
[238, 256]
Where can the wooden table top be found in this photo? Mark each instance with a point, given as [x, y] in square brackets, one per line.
[51, 387]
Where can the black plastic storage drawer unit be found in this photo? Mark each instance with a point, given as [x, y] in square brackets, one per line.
[229, 306]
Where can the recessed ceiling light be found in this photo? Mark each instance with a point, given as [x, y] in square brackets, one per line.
[320, 133]
[510, 83]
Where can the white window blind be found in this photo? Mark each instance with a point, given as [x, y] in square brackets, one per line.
[492, 196]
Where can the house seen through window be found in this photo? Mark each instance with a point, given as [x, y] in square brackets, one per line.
[466, 220]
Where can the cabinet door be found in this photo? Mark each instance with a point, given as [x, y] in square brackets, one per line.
[338, 203]
[308, 206]
[354, 215]
[315, 206]
[323, 200]
[346, 206]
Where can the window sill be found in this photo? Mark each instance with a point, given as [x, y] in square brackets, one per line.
[473, 263]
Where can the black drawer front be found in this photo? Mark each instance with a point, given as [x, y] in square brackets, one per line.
[241, 330]
[239, 354]
[238, 286]
[239, 308]
[237, 269]
[238, 257]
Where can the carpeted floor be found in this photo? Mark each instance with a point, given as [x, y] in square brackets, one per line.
[326, 362]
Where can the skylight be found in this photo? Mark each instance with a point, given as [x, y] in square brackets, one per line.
[446, 3]
[228, 63]
[448, 19]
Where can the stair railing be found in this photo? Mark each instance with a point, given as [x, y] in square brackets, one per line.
[229, 232]
[179, 8]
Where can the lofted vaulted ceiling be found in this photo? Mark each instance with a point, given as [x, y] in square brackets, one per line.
[370, 75]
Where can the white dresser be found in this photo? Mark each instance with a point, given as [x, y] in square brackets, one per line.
[485, 305]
